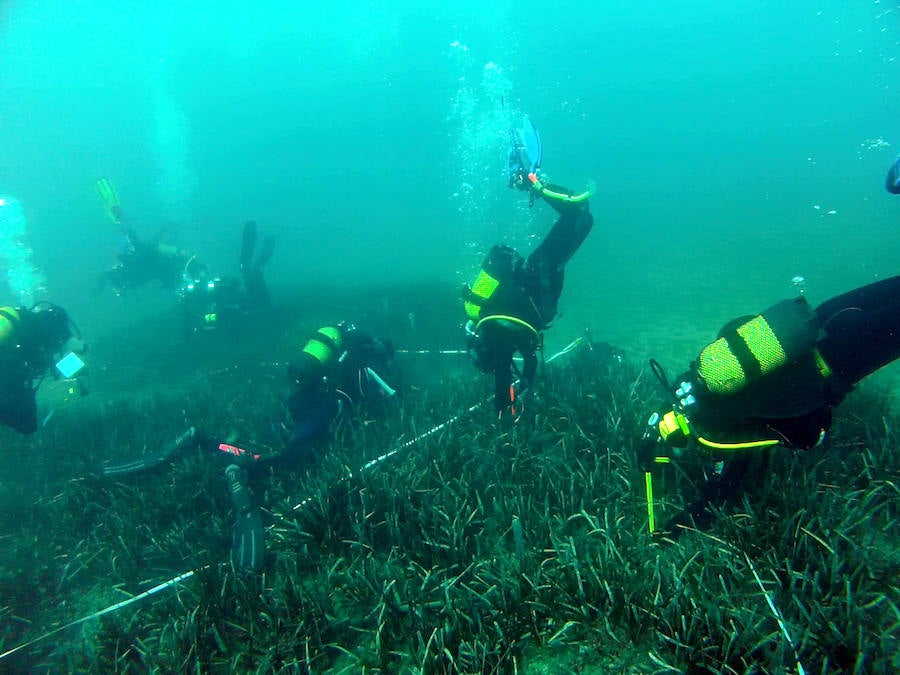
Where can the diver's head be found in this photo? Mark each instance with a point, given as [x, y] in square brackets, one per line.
[52, 323]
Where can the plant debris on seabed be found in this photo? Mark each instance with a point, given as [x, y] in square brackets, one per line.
[475, 549]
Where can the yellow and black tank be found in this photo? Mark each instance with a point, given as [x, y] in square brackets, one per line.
[747, 350]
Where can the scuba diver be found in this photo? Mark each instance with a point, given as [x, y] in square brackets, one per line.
[207, 301]
[139, 262]
[31, 340]
[514, 299]
[770, 379]
[342, 373]
[341, 369]
[892, 181]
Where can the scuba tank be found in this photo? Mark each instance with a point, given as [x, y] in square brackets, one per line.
[324, 345]
[746, 351]
[498, 269]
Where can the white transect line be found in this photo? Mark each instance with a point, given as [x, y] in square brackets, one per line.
[174, 581]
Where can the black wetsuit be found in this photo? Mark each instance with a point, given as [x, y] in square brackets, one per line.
[322, 395]
[141, 263]
[208, 302]
[530, 292]
[860, 333]
[24, 359]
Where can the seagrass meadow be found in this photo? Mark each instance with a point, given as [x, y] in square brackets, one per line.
[473, 548]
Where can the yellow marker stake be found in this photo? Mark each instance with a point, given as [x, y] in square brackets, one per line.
[648, 482]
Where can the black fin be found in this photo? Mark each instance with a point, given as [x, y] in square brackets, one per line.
[151, 460]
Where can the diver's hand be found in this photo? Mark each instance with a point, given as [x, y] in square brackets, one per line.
[520, 181]
[646, 453]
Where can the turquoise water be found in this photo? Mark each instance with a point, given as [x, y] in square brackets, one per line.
[371, 141]
[734, 145]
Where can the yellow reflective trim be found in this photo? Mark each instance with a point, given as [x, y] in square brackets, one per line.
[9, 319]
[737, 446]
[512, 319]
[673, 422]
[11, 314]
[720, 369]
[7, 328]
[648, 487]
[484, 285]
[321, 350]
[483, 288]
[763, 344]
[562, 196]
[662, 460]
[333, 334]
[823, 367]
[318, 350]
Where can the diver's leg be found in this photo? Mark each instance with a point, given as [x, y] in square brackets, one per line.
[503, 378]
[18, 409]
[25, 419]
[549, 259]
[257, 288]
[564, 238]
[862, 330]
[869, 297]
[311, 417]
[253, 272]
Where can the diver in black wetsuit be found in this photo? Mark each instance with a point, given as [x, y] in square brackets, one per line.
[140, 262]
[30, 341]
[514, 299]
[773, 379]
[208, 302]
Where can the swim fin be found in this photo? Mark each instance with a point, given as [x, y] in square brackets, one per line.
[110, 198]
[248, 546]
[525, 153]
[248, 244]
[892, 181]
[534, 149]
[265, 252]
[151, 460]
